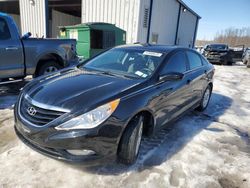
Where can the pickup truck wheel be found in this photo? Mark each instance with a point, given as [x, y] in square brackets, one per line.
[47, 68]
[130, 142]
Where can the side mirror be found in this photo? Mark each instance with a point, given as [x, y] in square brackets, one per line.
[26, 35]
[172, 76]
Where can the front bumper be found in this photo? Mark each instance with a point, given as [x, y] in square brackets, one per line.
[53, 143]
[62, 154]
[214, 59]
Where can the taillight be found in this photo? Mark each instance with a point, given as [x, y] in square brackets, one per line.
[73, 47]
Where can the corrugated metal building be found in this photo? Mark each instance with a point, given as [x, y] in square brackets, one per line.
[154, 21]
[33, 16]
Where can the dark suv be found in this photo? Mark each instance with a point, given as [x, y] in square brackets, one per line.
[222, 54]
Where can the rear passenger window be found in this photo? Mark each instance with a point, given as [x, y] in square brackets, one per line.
[177, 63]
[204, 61]
[194, 60]
[4, 30]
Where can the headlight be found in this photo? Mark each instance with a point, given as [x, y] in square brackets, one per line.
[92, 118]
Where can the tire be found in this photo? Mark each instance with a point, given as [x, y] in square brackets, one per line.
[205, 99]
[130, 141]
[47, 67]
[248, 63]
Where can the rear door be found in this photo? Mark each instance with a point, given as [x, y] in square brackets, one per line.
[11, 54]
[237, 53]
[196, 75]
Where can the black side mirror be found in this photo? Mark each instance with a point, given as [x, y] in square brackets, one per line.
[26, 35]
[172, 76]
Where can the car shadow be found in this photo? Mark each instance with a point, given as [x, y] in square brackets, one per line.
[9, 93]
[168, 141]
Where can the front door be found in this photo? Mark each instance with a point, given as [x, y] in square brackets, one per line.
[11, 54]
[174, 95]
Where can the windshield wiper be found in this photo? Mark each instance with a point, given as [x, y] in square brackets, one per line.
[118, 74]
[110, 73]
[107, 73]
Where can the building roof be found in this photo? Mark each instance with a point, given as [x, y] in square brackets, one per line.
[188, 8]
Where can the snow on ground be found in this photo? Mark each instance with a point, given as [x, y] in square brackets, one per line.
[209, 149]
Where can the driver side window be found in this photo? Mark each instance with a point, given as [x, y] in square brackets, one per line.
[4, 30]
[176, 63]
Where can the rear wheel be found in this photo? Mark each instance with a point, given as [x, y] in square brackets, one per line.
[130, 142]
[248, 63]
[47, 67]
[205, 99]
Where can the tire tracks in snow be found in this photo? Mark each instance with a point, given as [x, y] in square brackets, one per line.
[243, 134]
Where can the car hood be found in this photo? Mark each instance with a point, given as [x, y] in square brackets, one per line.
[76, 88]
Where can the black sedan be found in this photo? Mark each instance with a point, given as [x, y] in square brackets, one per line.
[102, 108]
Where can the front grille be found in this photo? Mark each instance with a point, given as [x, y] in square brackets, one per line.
[213, 55]
[40, 116]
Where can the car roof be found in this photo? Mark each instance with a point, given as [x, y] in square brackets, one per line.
[151, 47]
[5, 16]
[218, 44]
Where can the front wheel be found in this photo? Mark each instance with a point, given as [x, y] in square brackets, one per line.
[205, 99]
[130, 142]
[47, 68]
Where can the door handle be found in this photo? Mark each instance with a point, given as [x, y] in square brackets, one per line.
[11, 48]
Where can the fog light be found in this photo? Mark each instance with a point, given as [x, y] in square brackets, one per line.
[81, 152]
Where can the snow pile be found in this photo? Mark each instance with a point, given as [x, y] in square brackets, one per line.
[209, 149]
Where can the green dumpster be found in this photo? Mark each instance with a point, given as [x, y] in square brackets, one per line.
[93, 38]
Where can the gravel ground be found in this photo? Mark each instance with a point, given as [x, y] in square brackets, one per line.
[209, 149]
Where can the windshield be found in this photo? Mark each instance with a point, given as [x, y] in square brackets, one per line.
[126, 62]
[217, 46]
